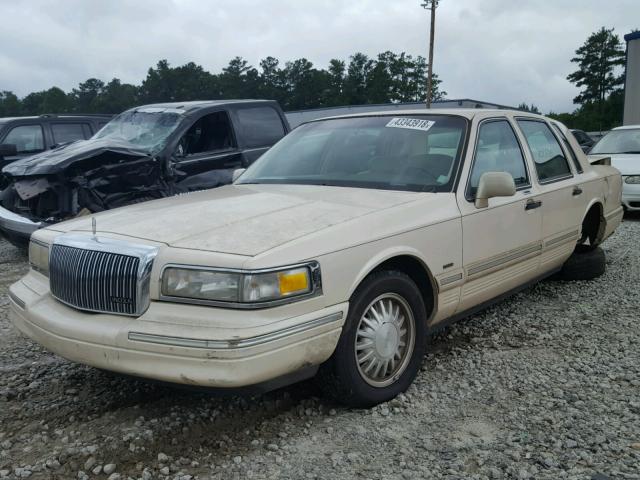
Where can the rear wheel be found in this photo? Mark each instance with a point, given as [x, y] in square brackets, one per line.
[590, 231]
[382, 343]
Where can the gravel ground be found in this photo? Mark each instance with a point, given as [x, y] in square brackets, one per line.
[543, 386]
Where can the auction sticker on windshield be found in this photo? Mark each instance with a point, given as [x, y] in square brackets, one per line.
[412, 123]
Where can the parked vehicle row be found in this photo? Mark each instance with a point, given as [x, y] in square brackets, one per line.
[337, 252]
[145, 153]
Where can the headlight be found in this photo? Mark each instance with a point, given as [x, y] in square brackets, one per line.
[39, 256]
[240, 288]
[633, 179]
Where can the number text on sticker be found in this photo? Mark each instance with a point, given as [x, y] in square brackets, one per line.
[412, 123]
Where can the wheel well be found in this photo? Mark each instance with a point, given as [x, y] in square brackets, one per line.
[418, 272]
[591, 224]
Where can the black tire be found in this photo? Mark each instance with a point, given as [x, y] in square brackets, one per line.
[583, 265]
[584, 248]
[340, 376]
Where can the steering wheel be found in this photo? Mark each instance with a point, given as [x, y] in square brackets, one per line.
[421, 173]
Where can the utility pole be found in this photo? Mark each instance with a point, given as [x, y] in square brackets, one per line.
[430, 5]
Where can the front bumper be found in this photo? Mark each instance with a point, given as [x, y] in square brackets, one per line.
[17, 229]
[187, 351]
[631, 196]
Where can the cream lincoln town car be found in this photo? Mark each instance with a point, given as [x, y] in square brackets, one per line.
[337, 252]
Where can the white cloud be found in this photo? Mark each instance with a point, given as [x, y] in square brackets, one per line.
[502, 51]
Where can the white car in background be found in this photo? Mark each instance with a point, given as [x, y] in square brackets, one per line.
[622, 144]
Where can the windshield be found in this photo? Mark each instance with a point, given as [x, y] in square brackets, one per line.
[415, 153]
[619, 141]
[147, 128]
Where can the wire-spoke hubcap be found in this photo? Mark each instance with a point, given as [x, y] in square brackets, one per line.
[384, 340]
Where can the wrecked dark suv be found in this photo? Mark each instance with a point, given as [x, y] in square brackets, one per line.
[144, 153]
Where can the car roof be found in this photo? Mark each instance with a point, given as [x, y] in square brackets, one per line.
[196, 104]
[48, 116]
[468, 113]
[626, 127]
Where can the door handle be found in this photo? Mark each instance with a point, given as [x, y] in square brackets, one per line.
[531, 204]
[577, 191]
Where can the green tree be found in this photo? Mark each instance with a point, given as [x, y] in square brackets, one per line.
[305, 85]
[117, 97]
[32, 104]
[55, 101]
[598, 60]
[355, 85]
[9, 104]
[239, 79]
[528, 108]
[389, 77]
[158, 85]
[380, 82]
[334, 95]
[272, 82]
[184, 83]
[84, 97]
[600, 77]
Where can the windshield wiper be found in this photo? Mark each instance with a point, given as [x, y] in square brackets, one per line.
[632, 151]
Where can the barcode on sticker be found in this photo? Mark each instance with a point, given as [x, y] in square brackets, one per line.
[412, 123]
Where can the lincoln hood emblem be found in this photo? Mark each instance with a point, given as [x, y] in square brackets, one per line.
[93, 225]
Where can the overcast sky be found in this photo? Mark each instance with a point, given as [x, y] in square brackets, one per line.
[502, 51]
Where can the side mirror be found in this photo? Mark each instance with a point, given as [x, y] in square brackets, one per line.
[236, 174]
[494, 184]
[8, 150]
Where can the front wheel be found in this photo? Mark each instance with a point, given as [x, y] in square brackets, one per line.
[382, 343]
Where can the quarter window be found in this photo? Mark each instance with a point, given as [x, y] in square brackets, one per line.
[498, 150]
[261, 126]
[574, 158]
[26, 138]
[550, 162]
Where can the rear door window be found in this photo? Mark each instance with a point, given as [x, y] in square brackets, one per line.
[26, 138]
[69, 132]
[551, 163]
[261, 126]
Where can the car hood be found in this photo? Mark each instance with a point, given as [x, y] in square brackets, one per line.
[242, 219]
[628, 164]
[56, 160]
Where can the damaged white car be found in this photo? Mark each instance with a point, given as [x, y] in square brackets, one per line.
[338, 251]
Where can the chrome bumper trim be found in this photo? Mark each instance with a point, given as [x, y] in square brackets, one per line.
[234, 344]
[14, 223]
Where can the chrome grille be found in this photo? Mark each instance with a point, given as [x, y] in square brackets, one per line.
[101, 275]
[93, 280]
